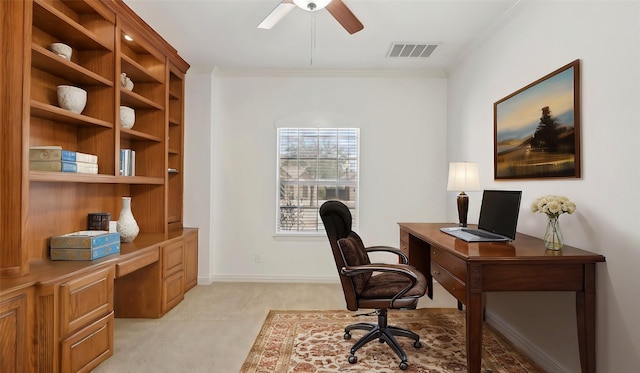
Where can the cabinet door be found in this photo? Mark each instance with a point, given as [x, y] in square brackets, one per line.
[89, 347]
[15, 336]
[190, 260]
[85, 299]
[172, 291]
[173, 274]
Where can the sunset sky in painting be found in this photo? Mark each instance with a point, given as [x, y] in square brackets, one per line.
[520, 114]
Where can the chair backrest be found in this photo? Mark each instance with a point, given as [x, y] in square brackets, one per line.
[337, 221]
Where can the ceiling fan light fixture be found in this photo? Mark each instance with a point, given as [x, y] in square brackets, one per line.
[311, 5]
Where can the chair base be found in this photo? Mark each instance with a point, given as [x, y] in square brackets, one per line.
[384, 333]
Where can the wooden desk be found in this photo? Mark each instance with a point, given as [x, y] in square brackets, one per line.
[467, 270]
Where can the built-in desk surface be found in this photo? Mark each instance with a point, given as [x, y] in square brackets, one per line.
[467, 270]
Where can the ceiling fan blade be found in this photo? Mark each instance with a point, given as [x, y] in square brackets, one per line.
[344, 16]
[277, 14]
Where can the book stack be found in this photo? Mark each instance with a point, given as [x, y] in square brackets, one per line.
[127, 162]
[84, 245]
[54, 158]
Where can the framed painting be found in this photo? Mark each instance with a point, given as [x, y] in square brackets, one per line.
[537, 128]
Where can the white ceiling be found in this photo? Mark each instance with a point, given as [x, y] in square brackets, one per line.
[223, 33]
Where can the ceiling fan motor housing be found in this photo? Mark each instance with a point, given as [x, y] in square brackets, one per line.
[311, 5]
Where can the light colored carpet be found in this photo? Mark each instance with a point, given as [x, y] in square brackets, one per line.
[213, 329]
[312, 342]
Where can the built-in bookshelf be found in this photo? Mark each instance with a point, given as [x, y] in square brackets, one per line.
[48, 298]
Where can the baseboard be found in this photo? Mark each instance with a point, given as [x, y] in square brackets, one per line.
[269, 279]
[523, 344]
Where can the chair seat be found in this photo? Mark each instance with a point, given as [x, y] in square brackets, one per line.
[378, 292]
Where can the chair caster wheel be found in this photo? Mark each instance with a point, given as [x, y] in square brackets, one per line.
[347, 336]
[404, 365]
[417, 344]
[353, 360]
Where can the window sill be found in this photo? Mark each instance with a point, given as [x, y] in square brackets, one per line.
[300, 236]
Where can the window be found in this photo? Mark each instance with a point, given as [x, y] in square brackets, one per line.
[315, 165]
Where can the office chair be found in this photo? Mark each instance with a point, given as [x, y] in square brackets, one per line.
[371, 286]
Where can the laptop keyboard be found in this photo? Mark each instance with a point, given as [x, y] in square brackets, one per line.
[480, 233]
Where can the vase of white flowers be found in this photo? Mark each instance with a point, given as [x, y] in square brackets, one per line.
[553, 207]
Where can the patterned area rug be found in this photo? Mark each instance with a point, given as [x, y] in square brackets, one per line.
[312, 341]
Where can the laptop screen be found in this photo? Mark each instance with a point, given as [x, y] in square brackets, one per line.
[499, 212]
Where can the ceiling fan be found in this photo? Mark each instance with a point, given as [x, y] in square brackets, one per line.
[337, 8]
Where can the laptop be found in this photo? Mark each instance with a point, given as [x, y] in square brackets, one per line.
[498, 218]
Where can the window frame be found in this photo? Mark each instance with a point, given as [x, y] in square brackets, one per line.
[355, 183]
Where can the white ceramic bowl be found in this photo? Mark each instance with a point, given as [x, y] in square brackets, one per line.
[127, 117]
[61, 50]
[72, 98]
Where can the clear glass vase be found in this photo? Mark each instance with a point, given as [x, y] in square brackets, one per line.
[553, 236]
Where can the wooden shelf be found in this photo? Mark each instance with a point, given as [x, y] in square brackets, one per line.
[134, 100]
[139, 73]
[59, 25]
[46, 60]
[58, 114]
[131, 134]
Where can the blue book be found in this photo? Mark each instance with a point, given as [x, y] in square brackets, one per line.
[84, 240]
[85, 254]
[59, 166]
[56, 153]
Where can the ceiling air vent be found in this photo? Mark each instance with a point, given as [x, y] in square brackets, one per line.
[401, 50]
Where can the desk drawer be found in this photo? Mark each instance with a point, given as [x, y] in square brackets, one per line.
[450, 262]
[134, 264]
[448, 281]
[404, 242]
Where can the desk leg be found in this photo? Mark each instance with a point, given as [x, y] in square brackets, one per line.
[586, 317]
[474, 331]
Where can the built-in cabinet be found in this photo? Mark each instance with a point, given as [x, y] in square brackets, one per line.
[59, 316]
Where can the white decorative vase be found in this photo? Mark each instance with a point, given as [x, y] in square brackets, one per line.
[127, 225]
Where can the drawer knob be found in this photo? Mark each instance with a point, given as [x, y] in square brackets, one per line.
[436, 272]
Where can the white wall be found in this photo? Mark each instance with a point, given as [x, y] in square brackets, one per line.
[403, 164]
[544, 36]
[198, 155]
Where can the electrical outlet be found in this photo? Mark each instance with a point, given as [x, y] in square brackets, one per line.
[256, 258]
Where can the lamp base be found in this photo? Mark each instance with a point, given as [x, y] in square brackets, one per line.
[463, 208]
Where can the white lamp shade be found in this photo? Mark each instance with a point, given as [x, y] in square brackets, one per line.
[463, 177]
[317, 4]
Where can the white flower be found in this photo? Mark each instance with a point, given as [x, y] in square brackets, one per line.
[553, 206]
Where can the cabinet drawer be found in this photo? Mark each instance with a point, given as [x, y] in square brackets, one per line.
[448, 281]
[450, 262]
[172, 255]
[172, 291]
[85, 299]
[89, 347]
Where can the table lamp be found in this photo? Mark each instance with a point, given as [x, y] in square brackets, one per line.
[463, 176]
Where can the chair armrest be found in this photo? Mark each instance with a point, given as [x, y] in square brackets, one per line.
[402, 269]
[389, 249]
